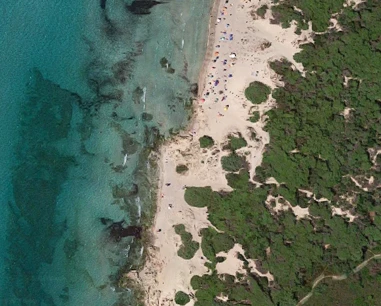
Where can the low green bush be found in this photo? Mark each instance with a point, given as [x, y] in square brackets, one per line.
[188, 247]
[214, 242]
[238, 181]
[181, 168]
[206, 141]
[181, 298]
[237, 142]
[255, 117]
[200, 196]
[262, 11]
[257, 92]
[233, 162]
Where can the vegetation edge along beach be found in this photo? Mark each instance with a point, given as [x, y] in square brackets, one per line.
[311, 208]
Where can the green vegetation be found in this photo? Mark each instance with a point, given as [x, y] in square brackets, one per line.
[181, 168]
[181, 298]
[360, 289]
[206, 141]
[200, 196]
[245, 292]
[330, 150]
[188, 247]
[236, 143]
[255, 117]
[257, 92]
[214, 242]
[233, 162]
[318, 12]
[297, 248]
[262, 11]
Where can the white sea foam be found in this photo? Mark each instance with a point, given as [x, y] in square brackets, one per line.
[126, 251]
[125, 159]
[139, 205]
[144, 98]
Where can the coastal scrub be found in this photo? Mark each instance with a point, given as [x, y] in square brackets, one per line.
[233, 162]
[181, 298]
[214, 242]
[316, 147]
[188, 247]
[236, 143]
[261, 12]
[206, 141]
[257, 92]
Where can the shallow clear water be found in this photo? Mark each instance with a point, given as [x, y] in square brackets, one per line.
[75, 82]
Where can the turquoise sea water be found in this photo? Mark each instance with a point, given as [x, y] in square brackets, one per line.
[75, 81]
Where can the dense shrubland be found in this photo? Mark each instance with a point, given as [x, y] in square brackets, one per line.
[314, 147]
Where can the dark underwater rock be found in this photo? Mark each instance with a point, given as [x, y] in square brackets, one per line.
[121, 192]
[117, 231]
[170, 70]
[106, 221]
[134, 190]
[194, 89]
[110, 28]
[103, 4]
[165, 64]
[122, 71]
[137, 95]
[142, 7]
[147, 117]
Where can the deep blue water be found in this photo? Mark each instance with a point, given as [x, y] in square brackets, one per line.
[75, 81]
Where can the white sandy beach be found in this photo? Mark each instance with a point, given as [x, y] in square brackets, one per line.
[165, 273]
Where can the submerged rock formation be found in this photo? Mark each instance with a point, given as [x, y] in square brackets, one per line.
[117, 231]
[142, 7]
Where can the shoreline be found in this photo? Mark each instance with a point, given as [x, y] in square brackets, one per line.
[209, 47]
[164, 273]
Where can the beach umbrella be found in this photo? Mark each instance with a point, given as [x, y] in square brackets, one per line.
[216, 82]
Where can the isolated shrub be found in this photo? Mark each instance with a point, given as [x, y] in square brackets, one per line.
[257, 92]
[181, 298]
[188, 247]
[206, 141]
[181, 168]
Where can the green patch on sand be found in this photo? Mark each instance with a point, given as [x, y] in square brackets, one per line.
[181, 298]
[188, 247]
[206, 141]
[257, 92]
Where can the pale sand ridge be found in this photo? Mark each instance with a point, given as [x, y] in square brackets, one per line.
[165, 273]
